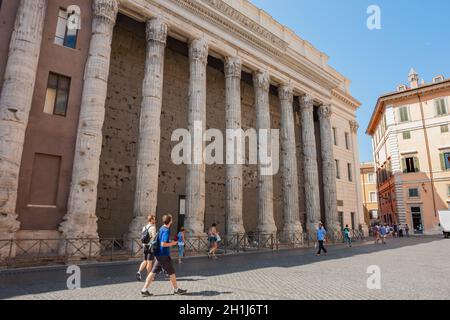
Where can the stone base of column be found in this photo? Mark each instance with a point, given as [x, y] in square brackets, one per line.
[266, 229]
[78, 234]
[133, 238]
[312, 228]
[292, 232]
[7, 245]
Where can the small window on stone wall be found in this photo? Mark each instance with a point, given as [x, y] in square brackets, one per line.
[57, 94]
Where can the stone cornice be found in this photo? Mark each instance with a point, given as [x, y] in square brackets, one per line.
[310, 75]
[347, 99]
[246, 22]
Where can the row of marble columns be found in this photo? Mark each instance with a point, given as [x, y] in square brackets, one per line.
[80, 219]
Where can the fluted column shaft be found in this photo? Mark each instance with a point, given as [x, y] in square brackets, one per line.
[266, 222]
[80, 219]
[328, 169]
[234, 196]
[195, 176]
[146, 196]
[15, 105]
[291, 214]
[310, 164]
[354, 126]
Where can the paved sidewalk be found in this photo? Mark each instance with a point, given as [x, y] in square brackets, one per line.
[414, 268]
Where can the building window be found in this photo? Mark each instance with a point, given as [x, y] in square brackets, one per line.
[410, 164]
[64, 36]
[403, 114]
[347, 141]
[445, 161]
[406, 135]
[349, 172]
[448, 191]
[413, 193]
[444, 128]
[373, 197]
[335, 136]
[441, 107]
[338, 171]
[57, 94]
[370, 177]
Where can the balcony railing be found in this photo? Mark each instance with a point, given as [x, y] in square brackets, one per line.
[32, 252]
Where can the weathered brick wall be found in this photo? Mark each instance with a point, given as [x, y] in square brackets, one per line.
[117, 180]
[120, 135]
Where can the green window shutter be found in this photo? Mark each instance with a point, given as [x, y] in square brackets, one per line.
[416, 164]
[404, 165]
[442, 156]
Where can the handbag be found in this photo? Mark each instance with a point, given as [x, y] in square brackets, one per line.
[218, 239]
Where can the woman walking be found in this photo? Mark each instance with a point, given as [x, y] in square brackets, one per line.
[347, 238]
[213, 234]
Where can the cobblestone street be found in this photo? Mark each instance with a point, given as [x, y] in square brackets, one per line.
[415, 268]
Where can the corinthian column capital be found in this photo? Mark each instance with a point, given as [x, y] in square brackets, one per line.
[105, 10]
[286, 92]
[307, 102]
[198, 50]
[233, 67]
[325, 112]
[354, 126]
[261, 80]
[156, 30]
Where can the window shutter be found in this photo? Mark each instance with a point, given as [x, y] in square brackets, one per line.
[416, 164]
[404, 165]
[442, 156]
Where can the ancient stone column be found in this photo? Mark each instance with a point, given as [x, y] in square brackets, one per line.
[310, 164]
[80, 220]
[234, 195]
[266, 223]
[195, 176]
[292, 225]
[146, 196]
[15, 105]
[328, 170]
[354, 126]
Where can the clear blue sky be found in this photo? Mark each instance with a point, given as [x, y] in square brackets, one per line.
[414, 33]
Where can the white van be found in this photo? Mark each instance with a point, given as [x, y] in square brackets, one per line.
[444, 219]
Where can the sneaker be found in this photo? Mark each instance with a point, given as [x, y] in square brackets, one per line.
[179, 292]
[138, 276]
[146, 293]
[215, 257]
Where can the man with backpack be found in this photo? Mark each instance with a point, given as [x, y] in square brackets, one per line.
[148, 234]
[160, 246]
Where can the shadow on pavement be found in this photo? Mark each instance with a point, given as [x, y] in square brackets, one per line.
[34, 281]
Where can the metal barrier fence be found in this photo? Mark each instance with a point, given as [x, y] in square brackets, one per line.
[32, 252]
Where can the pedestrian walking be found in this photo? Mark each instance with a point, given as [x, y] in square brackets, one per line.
[148, 234]
[395, 230]
[161, 247]
[321, 235]
[347, 237]
[376, 231]
[181, 244]
[407, 230]
[213, 236]
[384, 231]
